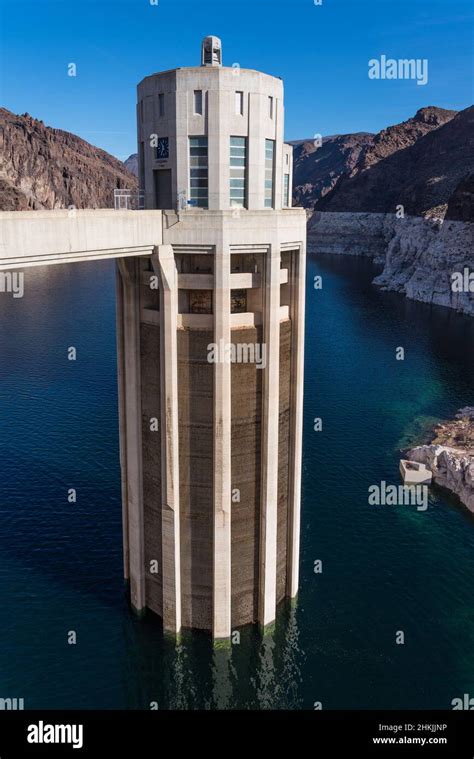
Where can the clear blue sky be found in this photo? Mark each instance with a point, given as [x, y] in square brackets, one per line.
[321, 52]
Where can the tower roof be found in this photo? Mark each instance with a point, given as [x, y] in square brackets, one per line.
[211, 51]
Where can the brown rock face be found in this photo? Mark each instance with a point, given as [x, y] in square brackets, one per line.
[424, 164]
[404, 135]
[316, 170]
[131, 163]
[41, 167]
[417, 164]
[461, 202]
[325, 172]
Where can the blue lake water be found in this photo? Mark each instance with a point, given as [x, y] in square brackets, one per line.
[385, 569]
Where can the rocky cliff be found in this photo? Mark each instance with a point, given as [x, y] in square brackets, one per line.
[425, 259]
[131, 164]
[316, 170]
[351, 234]
[41, 167]
[408, 203]
[372, 172]
[419, 256]
[418, 165]
[450, 456]
[461, 202]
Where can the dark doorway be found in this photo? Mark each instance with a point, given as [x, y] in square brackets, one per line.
[163, 188]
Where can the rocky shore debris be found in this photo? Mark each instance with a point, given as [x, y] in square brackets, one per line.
[450, 455]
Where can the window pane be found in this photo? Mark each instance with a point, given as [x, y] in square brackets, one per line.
[239, 102]
[198, 142]
[198, 180]
[269, 171]
[198, 101]
[238, 171]
[286, 190]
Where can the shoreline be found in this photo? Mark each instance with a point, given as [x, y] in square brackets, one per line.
[450, 456]
[419, 257]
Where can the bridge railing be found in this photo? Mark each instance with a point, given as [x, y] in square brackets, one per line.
[129, 200]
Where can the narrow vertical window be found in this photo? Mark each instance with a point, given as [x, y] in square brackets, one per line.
[161, 104]
[286, 190]
[141, 165]
[269, 171]
[270, 107]
[238, 171]
[198, 180]
[198, 102]
[239, 103]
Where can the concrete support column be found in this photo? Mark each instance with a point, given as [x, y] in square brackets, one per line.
[297, 314]
[222, 449]
[270, 425]
[119, 320]
[131, 430]
[164, 264]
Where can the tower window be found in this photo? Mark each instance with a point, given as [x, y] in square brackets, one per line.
[198, 102]
[198, 180]
[239, 103]
[238, 171]
[141, 165]
[270, 107]
[269, 171]
[286, 190]
[161, 104]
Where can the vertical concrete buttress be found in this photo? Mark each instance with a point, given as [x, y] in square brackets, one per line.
[297, 315]
[165, 266]
[119, 302]
[131, 428]
[270, 422]
[222, 450]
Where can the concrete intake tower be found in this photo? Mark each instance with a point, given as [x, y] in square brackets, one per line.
[210, 360]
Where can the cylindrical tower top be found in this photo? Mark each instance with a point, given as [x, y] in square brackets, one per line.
[211, 51]
[211, 136]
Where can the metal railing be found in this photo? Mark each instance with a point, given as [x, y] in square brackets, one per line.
[129, 200]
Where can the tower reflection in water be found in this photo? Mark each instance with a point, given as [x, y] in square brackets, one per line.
[258, 672]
